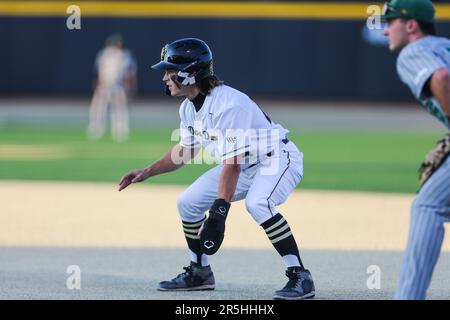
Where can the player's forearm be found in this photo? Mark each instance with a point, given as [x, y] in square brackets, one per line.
[171, 161]
[440, 88]
[228, 181]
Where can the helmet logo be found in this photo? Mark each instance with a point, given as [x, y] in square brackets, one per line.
[164, 54]
[211, 67]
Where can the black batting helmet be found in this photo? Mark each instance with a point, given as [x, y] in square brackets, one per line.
[190, 56]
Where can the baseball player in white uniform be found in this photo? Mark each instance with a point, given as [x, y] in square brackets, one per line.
[116, 78]
[423, 65]
[256, 162]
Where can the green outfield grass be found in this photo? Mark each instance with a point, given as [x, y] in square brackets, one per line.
[365, 161]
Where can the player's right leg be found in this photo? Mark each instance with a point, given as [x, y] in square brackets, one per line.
[192, 205]
[430, 210]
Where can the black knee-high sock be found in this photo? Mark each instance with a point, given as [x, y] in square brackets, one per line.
[193, 240]
[279, 233]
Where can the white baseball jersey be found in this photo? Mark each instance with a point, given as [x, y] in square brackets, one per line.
[229, 124]
[417, 62]
[112, 64]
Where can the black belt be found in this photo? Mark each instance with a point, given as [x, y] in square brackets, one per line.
[285, 141]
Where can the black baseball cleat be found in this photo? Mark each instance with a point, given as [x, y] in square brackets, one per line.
[300, 285]
[194, 278]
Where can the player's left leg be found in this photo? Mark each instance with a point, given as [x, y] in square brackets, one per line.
[98, 111]
[430, 210]
[119, 115]
[275, 179]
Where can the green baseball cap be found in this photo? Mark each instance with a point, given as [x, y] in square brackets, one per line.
[420, 10]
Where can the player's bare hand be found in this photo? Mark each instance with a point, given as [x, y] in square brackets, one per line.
[133, 177]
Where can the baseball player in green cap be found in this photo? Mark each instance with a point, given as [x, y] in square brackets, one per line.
[423, 64]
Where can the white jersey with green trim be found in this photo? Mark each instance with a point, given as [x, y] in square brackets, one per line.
[228, 124]
[417, 62]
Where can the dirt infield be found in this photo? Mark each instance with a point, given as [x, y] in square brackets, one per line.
[87, 214]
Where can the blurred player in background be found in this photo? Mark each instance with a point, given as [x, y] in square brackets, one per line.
[423, 65]
[115, 81]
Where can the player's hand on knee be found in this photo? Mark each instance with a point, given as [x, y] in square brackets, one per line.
[213, 229]
[133, 177]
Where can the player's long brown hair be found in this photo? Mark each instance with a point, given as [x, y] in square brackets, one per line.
[206, 85]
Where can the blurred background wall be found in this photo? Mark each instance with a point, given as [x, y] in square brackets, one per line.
[329, 56]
